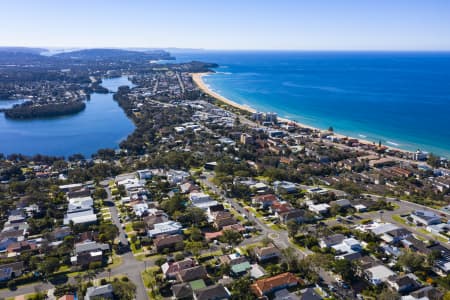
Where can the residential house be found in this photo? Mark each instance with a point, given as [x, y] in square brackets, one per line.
[19, 247]
[284, 294]
[169, 227]
[264, 201]
[222, 219]
[280, 207]
[342, 203]
[320, 209]
[88, 252]
[190, 274]
[263, 287]
[213, 292]
[60, 233]
[298, 215]
[182, 291]
[331, 240]
[67, 297]
[378, 274]
[396, 235]
[11, 270]
[308, 294]
[157, 218]
[267, 252]
[99, 292]
[403, 284]
[171, 269]
[285, 187]
[232, 259]
[427, 292]
[425, 218]
[246, 139]
[162, 242]
[348, 249]
[213, 210]
[201, 200]
[240, 269]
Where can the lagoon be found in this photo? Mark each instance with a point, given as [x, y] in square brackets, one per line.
[103, 124]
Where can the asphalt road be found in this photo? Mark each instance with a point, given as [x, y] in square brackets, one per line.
[280, 238]
[130, 267]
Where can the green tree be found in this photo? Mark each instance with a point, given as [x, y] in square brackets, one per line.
[240, 289]
[433, 160]
[292, 227]
[291, 257]
[100, 193]
[108, 232]
[344, 268]
[231, 237]
[124, 289]
[387, 294]
[411, 261]
[195, 234]
[48, 266]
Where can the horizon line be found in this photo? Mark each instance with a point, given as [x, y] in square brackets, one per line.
[226, 49]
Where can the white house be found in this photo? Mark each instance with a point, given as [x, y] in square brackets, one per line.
[201, 200]
[320, 209]
[169, 227]
[378, 274]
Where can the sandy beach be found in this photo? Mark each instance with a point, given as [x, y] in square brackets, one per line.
[198, 79]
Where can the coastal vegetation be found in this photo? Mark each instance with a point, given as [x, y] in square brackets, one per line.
[28, 111]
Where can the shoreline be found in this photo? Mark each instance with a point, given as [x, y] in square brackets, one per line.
[198, 80]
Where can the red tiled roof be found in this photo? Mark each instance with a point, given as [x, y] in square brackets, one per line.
[264, 286]
[266, 198]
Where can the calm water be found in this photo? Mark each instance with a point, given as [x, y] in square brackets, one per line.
[402, 99]
[103, 124]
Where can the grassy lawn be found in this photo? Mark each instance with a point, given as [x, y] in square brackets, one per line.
[237, 215]
[262, 178]
[215, 253]
[63, 269]
[136, 251]
[143, 257]
[116, 261]
[151, 295]
[299, 247]
[128, 227]
[254, 211]
[395, 205]
[277, 227]
[436, 237]
[149, 274]
[399, 219]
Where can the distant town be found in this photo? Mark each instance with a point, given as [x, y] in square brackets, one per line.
[207, 201]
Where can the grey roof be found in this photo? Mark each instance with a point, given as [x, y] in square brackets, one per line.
[90, 246]
[213, 292]
[15, 266]
[343, 202]
[310, 294]
[182, 290]
[193, 273]
[102, 290]
[333, 239]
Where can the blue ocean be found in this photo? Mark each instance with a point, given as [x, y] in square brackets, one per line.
[400, 99]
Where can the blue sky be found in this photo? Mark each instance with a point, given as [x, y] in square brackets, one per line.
[228, 24]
